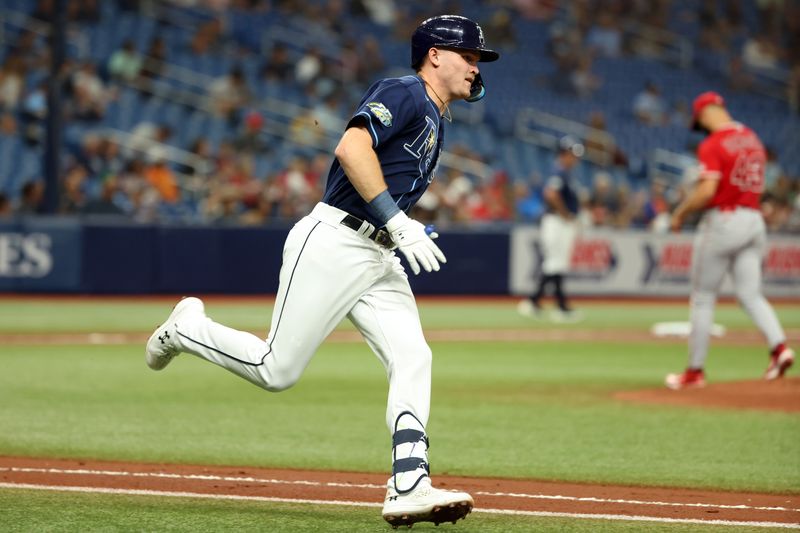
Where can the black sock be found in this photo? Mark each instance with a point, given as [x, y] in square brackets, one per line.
[558, 280]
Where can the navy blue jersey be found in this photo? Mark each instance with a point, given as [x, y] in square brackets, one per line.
[561, 179]
[407, 134]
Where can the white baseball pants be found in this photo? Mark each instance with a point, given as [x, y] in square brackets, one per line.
[558, 240]
[329, 272]
[728, 241]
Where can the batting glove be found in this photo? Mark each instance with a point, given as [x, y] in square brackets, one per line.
[419, 248]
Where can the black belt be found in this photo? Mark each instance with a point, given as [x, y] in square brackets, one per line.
[380, 236]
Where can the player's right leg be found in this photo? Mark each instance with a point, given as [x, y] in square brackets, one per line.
[325, 269]
[747, 280]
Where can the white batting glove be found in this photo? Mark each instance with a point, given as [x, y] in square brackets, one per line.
[409, 235]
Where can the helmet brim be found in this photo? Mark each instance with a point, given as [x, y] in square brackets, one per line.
[487, 56]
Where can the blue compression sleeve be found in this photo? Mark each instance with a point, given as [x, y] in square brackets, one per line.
[383, 206]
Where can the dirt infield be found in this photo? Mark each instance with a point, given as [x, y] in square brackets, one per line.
[779, 395]
[491, 495]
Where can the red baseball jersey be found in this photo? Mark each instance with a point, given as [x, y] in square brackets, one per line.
[735, 156]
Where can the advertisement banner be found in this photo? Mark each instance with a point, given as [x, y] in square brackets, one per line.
[606, 262]
[40, 255]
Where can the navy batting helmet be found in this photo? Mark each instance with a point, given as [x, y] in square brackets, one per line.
[452, 31]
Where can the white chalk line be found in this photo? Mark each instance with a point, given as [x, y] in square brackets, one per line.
[266, 481]
[540, 514]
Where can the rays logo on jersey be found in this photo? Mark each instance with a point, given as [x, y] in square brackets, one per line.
[380, 111]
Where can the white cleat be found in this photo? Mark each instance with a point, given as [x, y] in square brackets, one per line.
[425, 504]
[528, 309]
[163, 343]
[779, 364]
[570, 316]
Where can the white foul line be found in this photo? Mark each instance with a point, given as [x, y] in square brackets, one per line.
[248, 479]
[633, 502]
[634, 518]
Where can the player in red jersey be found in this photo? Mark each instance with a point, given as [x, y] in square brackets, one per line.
[731, 236]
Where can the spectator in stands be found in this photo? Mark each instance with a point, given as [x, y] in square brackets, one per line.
[90, 95]
[381, 12]
[601, 147]
[277, 67]
[308, 67]
[207, 37]
[492, 200]
[148, 136]
[228, 94]
[456, 190]
[303, 129]
[649, 107]
[328, 115]
[8, 124]
[584, 82]
[161, 177]
[773, 169]
[31, 197]
[251, 138]
[604, 203]
[154, 58]
[32, 49]
[426, 210]
[760, 52]
[298, 188]
[125, 63]
[202, 159]
[34, 113]
[6, 209]
[105, 202]
[656, 209]
[12, 82]
[604, 38]
[530, 204]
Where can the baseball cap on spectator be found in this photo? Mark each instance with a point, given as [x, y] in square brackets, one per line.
[701, 102]
[254, 120]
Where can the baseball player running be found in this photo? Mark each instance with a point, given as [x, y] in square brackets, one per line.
[559, 230]
[339, 261]
[731, 236]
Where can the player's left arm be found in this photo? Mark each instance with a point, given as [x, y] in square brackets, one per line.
[360, 162]
[362, 167]
[698, 199]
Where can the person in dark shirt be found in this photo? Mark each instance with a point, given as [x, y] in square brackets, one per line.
[558, 231]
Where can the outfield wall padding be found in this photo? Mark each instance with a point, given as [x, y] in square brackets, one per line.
[56, 255]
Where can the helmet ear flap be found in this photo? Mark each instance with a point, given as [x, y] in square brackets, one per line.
[477, 91]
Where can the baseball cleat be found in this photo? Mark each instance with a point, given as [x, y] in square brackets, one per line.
[691, 378]
[779, 364]
[163, 344]
[425, 504]
[568, 316]
[529, 309]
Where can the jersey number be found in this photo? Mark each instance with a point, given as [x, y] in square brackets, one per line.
[748, 172]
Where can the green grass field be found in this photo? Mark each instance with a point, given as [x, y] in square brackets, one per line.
[513, 409]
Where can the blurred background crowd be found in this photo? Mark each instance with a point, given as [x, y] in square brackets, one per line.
[226, 111]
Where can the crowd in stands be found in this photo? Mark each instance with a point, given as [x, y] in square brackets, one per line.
[138, 177]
